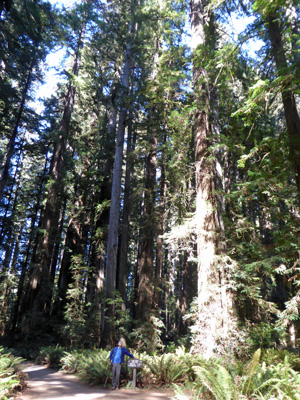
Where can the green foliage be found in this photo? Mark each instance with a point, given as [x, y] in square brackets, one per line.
[92, 366]
[256, 381]
[281, 356]
[75, 329]
[148, 336]
[169, 368]
[264, 377]
[51, 356]
[10, 374]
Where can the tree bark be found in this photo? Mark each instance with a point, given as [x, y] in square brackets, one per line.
[39, 290]
[74, 246]
[159, 240]
[112, 245]
[124, 228]
[4, 169]
[214, 302]
[145, 268]
[26, 259]
[116, 183]
[288, 97]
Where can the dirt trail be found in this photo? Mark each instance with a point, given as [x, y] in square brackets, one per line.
[48, 384]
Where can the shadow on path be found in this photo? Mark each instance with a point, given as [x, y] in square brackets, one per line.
[47, 384]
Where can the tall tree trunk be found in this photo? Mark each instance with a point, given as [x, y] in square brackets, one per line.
[4, 169]
[26, 259]
[76, 239]
[116, 184]
[124, 228]
[111, 260]
[39, 290]
[146, 286]
[102, 221]
[213, 305]
[12, 196]
[288, 97]
[145, 268]
[159, 240]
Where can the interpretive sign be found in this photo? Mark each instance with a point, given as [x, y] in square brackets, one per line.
[134, 364]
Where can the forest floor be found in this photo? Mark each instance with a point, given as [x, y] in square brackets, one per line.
[49, 384]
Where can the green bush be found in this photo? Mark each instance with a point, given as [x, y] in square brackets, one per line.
[10, 374]
[51, 356]
[258, 382]
[92, 366]
[276, 356]
[266, 377]
[169, 368]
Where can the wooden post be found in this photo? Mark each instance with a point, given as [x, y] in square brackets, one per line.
[133, 378]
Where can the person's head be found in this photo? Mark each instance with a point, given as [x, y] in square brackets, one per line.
[120, 343]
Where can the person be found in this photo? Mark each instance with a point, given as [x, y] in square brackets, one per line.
[117, 359]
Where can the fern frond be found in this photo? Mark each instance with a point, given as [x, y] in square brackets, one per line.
[252, 367]
[218, 382]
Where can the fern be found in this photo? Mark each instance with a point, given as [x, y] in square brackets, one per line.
[92, 366]
[10, 374]
[279, 381]
[51, 356]
[217, 381]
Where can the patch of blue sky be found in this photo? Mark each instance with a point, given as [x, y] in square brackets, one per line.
[238, 24]
[52, 66]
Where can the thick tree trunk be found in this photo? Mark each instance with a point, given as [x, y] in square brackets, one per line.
[9, 245]
[184, 293]
[39, 290]
[159, 241]
[288, 97]
[12, 197]
[76, 239]
[26, 259]
[98, 249]
[206, 247]
[147, 278]
[145, 268]
[124, 228]
[4, 169]
[214, 302]
[114, 215]
[116, 184]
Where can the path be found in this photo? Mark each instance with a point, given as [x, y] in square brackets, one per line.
[49, 384]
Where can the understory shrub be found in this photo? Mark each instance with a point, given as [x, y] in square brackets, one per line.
[92, 366]
[10, 374]
[169, 368]
[258, 381]
[275, 356]
[268, 376]
[51, 356]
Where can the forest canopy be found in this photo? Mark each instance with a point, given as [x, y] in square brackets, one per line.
[156, 195]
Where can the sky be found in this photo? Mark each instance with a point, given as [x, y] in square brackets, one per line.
[53, 60]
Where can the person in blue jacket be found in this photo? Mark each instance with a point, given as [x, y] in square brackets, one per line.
[117, 358]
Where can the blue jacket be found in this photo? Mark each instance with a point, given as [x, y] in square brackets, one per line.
[123, 352]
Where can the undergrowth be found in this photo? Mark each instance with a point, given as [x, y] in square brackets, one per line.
[268, 375]
[10, 374]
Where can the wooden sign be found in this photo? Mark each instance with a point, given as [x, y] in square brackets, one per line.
[134, 363]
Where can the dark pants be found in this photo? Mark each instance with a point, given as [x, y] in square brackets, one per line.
[116, 370]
